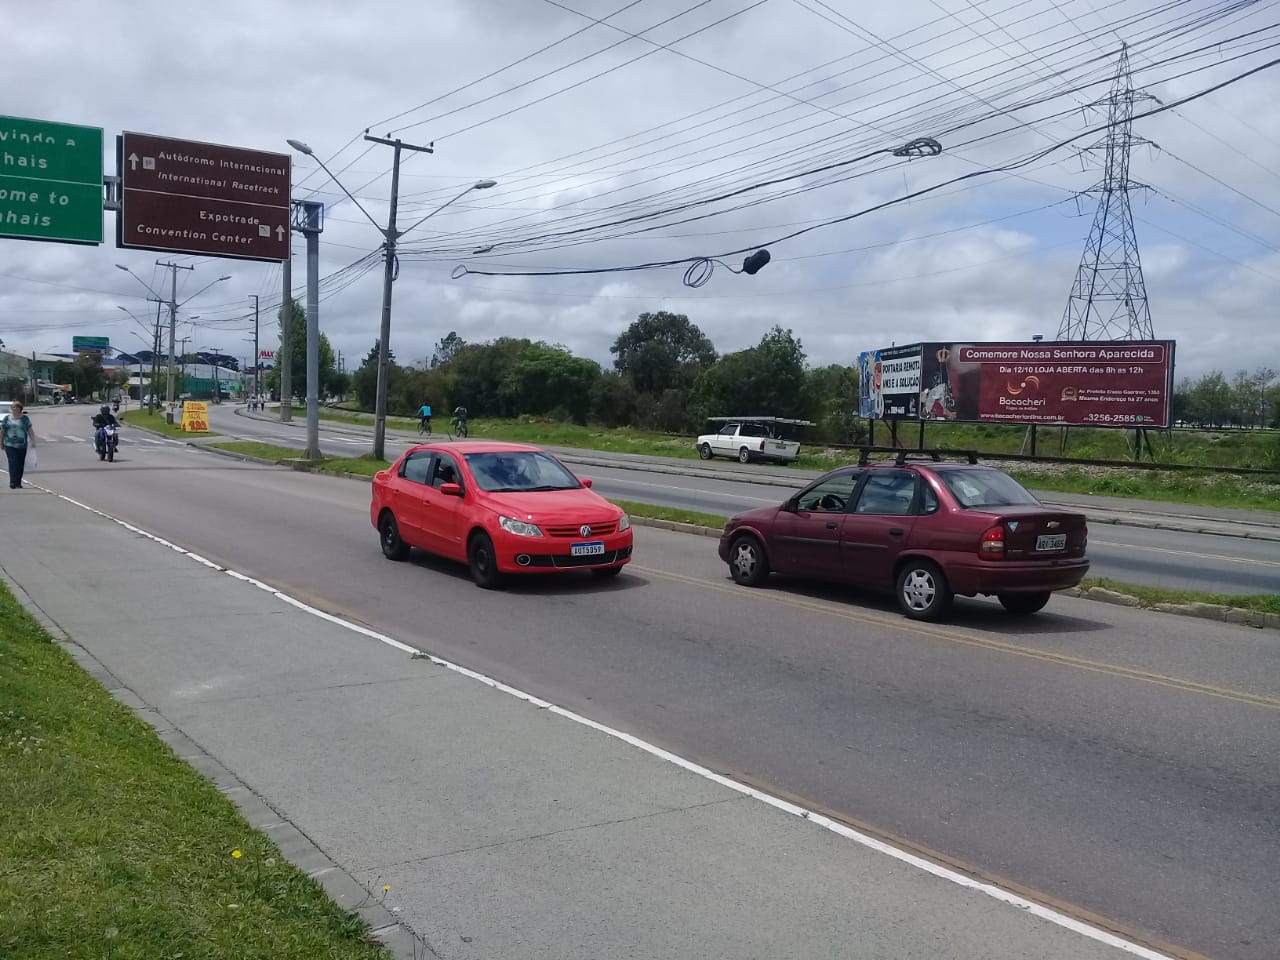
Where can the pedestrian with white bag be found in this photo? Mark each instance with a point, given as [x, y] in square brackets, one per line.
[19, 443]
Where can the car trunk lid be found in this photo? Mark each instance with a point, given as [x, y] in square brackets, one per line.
[1036, 533]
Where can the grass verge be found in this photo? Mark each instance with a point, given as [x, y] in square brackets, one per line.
[365, 466]
[653, 512]
[1150, 596]
[155, 422]
[112, 847]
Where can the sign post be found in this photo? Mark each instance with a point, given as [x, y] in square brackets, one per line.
[50, 181]
[183, 196]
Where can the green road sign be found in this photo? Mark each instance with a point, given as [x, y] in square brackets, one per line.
[90, 343]
[50, 181]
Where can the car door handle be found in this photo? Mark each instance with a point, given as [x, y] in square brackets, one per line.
[895, 531]
[832, 525]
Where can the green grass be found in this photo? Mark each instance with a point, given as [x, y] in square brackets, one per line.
[1150, 596]
[365, 466]
[155, 421]
[1201, 489]
[111, 847]
[653, 512]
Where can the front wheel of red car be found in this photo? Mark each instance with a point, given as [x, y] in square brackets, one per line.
[1023, 604]
[923, 593]
[483, 562]
[393, 548]
[747, 562]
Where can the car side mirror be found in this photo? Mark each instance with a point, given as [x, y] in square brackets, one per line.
[791, 504]
[451, 489]
[585, 481]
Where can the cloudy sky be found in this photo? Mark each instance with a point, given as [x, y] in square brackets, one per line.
[617, 128]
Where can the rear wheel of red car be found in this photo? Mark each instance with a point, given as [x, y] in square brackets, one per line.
[607, 573]
[483, 562]
[923, 593]
[747, 562]
[1023, 604]
[393, 548]
[704, 451]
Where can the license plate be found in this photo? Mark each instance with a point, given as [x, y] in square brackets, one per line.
[593, 549]
[1052, 541]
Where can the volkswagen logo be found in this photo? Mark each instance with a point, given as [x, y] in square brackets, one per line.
[585, 530]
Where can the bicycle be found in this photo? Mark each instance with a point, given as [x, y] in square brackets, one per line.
[424, 425]
[459, 429]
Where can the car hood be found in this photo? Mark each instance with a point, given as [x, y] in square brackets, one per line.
[551, 506]
[757, 517]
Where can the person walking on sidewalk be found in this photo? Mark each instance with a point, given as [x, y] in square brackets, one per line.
[18, 435]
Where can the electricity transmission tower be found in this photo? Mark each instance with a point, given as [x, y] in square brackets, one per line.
[1109, 298]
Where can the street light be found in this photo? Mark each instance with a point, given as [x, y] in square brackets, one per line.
[390, 235]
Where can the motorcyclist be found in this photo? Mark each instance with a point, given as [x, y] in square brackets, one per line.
[103, 418]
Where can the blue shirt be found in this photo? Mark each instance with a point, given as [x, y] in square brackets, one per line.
[16, 430]
[424, 411]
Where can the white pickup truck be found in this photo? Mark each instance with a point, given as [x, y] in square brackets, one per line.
[751, 438]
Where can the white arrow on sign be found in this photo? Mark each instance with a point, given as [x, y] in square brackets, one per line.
[279, 233]
[133, 161]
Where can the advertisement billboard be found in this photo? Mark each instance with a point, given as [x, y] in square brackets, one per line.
[1105, 383]
[889, 383]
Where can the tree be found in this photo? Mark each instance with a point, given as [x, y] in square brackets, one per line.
[364, 381]
[831, 401]
[1211, 400]
[447, 348]
[767, 380]
[661, 350]
[298, 354]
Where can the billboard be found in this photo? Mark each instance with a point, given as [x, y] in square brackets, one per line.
[1105, 383]
[890, 383]
[86, 344]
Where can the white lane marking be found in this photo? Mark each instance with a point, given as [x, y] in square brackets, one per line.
[67, 436]
[834, 826]
[1186, 553]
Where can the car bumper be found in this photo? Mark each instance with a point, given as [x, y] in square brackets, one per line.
[998, 576]
[546, 555]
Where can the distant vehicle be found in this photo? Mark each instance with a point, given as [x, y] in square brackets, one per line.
[751, 438]
[926, 531]
[500, 508]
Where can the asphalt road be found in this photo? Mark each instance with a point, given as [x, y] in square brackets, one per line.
[1120, 763]
[1157, 558]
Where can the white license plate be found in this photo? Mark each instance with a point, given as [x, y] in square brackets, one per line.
[594, 549]
[1052, 541]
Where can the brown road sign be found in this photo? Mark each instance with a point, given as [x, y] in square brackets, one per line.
[182, 196]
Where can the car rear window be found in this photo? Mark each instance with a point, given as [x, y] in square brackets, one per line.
[974, 489]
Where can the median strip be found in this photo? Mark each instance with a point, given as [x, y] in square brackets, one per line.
[112, 845]
[155, 422]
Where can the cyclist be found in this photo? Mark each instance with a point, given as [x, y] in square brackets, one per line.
[460, 420]
[424, 418]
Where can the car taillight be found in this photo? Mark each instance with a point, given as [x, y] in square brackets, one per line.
[992, 546]
[761, 444]
[1084, 537]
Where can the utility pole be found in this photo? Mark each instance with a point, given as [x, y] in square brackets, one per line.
[257, 359]
[286, 333]
[173, 269]
[310, 227]
[184, 341]
[155, 357]
[388, 278]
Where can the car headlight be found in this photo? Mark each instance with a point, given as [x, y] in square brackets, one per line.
[624, 523]
[519, 527]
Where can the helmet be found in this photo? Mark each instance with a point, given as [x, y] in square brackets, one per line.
[104, 409]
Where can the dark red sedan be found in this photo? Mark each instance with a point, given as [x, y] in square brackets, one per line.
[500, 508]
[926, 530]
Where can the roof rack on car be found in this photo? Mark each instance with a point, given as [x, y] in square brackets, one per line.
[902, 456]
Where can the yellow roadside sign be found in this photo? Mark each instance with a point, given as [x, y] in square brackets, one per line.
[195, 416]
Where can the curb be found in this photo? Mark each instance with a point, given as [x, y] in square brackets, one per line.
[349, 894]
[1205, 611]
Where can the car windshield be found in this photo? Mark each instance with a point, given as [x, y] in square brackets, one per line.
[974, 489]
[520, 470]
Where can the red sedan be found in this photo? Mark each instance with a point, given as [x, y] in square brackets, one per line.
[500, 508]
[927, 531]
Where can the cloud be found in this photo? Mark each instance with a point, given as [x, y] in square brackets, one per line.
[578, 137]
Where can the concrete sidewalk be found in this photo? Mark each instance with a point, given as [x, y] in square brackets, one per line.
[505, 828]
[1124, 511]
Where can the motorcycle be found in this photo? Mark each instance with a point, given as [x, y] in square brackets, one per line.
[107, 443]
